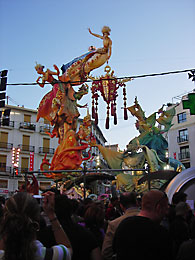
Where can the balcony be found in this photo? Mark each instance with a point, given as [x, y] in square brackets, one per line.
[45, 129]
[182, 139]
[26, 148]
[27, 126]
[5, 122]
[6, 146]
[184, 156]
[46, 150]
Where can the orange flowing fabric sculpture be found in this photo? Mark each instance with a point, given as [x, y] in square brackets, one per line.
[59, 106]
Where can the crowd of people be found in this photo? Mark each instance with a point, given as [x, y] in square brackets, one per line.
[59, 228]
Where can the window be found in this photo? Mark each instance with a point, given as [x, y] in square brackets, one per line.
[3, 159]
[3, 139]
[46, 122]
[181, 117]
[184, 152]
[6, 117]
[24, 164]
[46, 167]
[3, 184]
[46, 144]
[25, 142]
[27, 118]
[183, 135]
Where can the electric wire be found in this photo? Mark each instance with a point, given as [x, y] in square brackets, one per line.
[118, 78]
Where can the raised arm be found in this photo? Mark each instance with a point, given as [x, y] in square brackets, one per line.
[49, 208]
[41, 84]
[94, 34]
[53, 72]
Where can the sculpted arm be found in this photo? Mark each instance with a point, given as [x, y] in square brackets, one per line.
[54, 73]
[41, 84]
[94, 34]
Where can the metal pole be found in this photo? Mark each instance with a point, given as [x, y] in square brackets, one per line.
[26, 180]
[84, 179]
[149, 186]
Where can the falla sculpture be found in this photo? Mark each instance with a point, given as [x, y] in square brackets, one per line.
[148, 148]
[60, 105]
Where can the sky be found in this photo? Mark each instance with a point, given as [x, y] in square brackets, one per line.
[148, 37]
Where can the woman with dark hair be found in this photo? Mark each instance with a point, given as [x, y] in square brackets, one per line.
[20, 224]
[84, 244]
[94, 220]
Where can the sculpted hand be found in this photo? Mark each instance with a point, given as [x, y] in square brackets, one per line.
[56, 68]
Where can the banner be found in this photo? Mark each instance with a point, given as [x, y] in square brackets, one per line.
[31, 161]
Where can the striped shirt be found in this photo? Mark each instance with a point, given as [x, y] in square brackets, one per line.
[58, 252]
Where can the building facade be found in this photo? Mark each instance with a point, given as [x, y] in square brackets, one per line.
[23, 144]
[181, 136]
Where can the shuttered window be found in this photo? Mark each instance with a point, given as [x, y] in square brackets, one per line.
[24, 163]
[46, 122]
[3, 137]
[45, 167]
[27, 118]
[26, 140]
[46, 144]
[3, 160]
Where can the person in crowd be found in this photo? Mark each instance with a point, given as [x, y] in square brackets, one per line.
[113, 210]
[187, 248]
[83, 242]
[142, 236]
[2, 205]
[20, 224]
[128, 204]
[94, 221]
[178, 196]
[179, 228]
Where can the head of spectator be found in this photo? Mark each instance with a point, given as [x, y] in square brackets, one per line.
[128, 200]
[19, 226]
[63, 208]
[154, 205]
[179, 197]
[182, 209]
[94, 216]
[94, 221]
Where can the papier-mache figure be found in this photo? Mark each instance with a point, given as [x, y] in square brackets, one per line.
[79, 68]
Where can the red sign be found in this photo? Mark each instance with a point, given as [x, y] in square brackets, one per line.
[174, 155]
[31, 161]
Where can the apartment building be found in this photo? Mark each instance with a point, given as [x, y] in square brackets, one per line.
[23, 144]
[181, 136]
